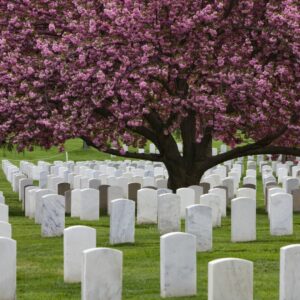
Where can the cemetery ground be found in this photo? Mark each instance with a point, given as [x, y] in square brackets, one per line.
[40, 260]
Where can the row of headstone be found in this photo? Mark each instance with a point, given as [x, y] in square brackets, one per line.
[229, 279]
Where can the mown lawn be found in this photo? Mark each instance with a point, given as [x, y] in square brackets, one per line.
[40, 260]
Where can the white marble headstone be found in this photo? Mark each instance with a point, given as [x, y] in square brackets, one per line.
[290, 272]
[5, 229]
[4, 212]
[43, 179]
[215, 202]
[187, 198]
[148, 181]
[198, 192]
[123, 183]
[53, 215]
[8, 277]
[178, 265]
[229, 183]
[38, 204]
[122, 221]
[113, 193]
[76, 240]
[230, 279]
[281, 214]
[75, 202]
[222, 194]
[94, 183]
[147, 206]
[102, 274]
[199, 223]
[22, 183]
[291, 184]
[89, 204]
[16, 179]
[243, 219]
[246, 192]
[168, 214]
[27, 198]
[77, 182]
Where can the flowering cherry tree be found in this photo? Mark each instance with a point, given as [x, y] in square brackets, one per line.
[117, 72]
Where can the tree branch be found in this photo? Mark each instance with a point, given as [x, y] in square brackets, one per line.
[204, 148]
[141, 130]
[187, 128]
[255, 148]
[127, 154]
[264, 150]
[229, 8]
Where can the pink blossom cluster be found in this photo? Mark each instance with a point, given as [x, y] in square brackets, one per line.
[97, 69]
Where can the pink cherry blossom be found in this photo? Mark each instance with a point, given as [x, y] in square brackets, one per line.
[115, 72]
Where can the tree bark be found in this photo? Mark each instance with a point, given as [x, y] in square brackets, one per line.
[182, 176]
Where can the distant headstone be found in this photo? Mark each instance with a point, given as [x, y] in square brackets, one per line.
[222, 194]
[162, 183]
[215, 202]
[3, 212]
[94, 183]
[243, 219]
[122, 221]
[281, 214]
[75, 202]
[229, 183]
[43, 179]
[187, 198]
[272, 191]
[89, 205]
[168, 213]
[291, 184]
[26, 202]
[103, 199]
[250, 186]
[147, 206]
[163, 191]
[198, 192]
[199, 223]
[296, 200]
[22, 183]
[68, 201]
[113, 193]
[246, 192]
[53, 215]
[5, 229]
[62, 188]
[38, 210]
[205, 186]
[132, 190]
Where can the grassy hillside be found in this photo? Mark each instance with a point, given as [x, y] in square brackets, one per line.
[40, 260]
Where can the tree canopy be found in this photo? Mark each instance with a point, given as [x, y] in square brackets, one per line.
[128, 71]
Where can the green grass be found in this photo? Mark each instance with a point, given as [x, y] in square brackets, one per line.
[73, 147]
[40, 260]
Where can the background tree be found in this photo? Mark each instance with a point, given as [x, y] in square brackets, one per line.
[128, 71]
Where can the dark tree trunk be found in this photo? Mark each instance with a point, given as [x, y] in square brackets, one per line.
[180, 176]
